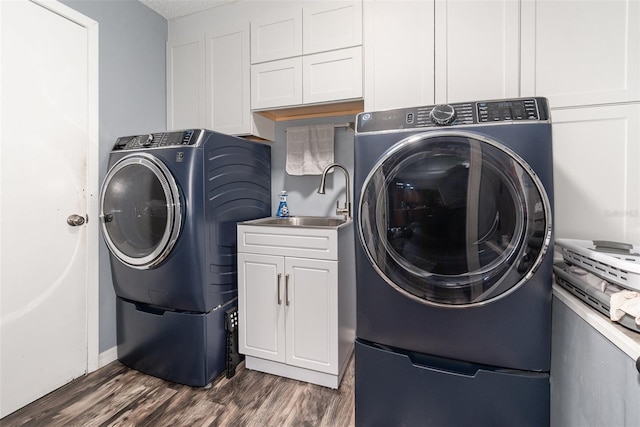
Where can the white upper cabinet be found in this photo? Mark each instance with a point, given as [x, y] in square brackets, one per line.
[332, 75]
[185, 82]
[209, 73]
[276, 36]
[309, 52]
[476, 50]
[425, 52]
[276, 83]
[228, 95]
[581, 52]
[398, 54]
[330, 25]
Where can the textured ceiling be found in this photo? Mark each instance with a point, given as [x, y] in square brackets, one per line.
[176, 8]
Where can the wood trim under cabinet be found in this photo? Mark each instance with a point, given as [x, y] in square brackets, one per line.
[314, 111]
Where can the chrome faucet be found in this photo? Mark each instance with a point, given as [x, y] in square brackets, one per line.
[346, 211]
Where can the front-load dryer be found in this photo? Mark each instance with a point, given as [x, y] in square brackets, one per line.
[454, 264]
[169, 206]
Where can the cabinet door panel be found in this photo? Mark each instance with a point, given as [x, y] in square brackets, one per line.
[581, 52]
[332, 75]
[277, 83]
[227, 80]
[331, 25]
[399, 60]
[476, 50]
[260, 306]
[185, 83]
[276, 36]
[596, 175]
[312, 314]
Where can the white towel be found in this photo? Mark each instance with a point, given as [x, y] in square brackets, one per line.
[309, 149]
[625, 302]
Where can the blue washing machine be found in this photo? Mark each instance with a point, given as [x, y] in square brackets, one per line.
[454, 264]
[169, 206]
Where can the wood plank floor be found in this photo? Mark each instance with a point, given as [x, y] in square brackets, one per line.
[118, 396]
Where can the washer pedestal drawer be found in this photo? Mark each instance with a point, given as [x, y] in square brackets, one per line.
[424, 390]
[187, 348]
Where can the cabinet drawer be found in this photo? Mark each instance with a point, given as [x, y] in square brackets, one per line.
[297, 242]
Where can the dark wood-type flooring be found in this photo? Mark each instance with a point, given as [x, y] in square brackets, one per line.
[118, 396]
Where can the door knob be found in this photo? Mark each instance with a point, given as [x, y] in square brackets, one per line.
[75, 220]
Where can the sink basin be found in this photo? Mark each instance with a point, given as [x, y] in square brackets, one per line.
[301, 221]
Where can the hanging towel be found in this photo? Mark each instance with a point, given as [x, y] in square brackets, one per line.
[309, 149]
[625, 302]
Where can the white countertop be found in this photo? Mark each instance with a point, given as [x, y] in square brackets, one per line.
[626, 340]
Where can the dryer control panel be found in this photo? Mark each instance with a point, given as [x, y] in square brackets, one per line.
[157, 140]
[466, 113]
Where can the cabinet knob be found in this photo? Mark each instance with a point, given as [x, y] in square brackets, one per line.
[638, 365]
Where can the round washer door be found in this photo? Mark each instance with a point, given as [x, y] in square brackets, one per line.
[453, 219]
[141, 210]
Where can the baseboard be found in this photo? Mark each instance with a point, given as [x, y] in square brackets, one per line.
[107, 357]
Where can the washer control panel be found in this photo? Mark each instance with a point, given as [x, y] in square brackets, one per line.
[469, 113]
[158, 140]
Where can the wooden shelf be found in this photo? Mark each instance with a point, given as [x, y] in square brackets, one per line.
[313, 111]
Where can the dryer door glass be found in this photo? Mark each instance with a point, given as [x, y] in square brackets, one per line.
[453, 218]
[141, 211]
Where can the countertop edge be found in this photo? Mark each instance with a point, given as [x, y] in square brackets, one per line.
[626, 340]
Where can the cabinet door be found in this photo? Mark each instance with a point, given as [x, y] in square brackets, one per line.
[476, 49]
[398, 54]
[331, 25]
[261, 306]
[228, 92]
[332, 76]
[581, 52]
[597, 172]
[277, 35]
[185, 83]
[276, 83]
[312, 314]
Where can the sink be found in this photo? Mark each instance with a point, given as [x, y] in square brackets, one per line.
[301, 221]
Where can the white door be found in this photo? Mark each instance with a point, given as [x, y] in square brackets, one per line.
[48, 275]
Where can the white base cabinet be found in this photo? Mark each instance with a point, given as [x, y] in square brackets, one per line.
[296, 305]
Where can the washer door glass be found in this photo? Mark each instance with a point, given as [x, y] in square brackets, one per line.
[141, 210]
[453, 218]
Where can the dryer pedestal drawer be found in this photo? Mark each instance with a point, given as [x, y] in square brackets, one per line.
[187, 348]
[444, 392]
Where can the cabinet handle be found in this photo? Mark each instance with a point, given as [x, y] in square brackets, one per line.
[278, 286]
[286, 288]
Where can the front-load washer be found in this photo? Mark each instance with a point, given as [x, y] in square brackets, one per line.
[454, 264]
[169, 206]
